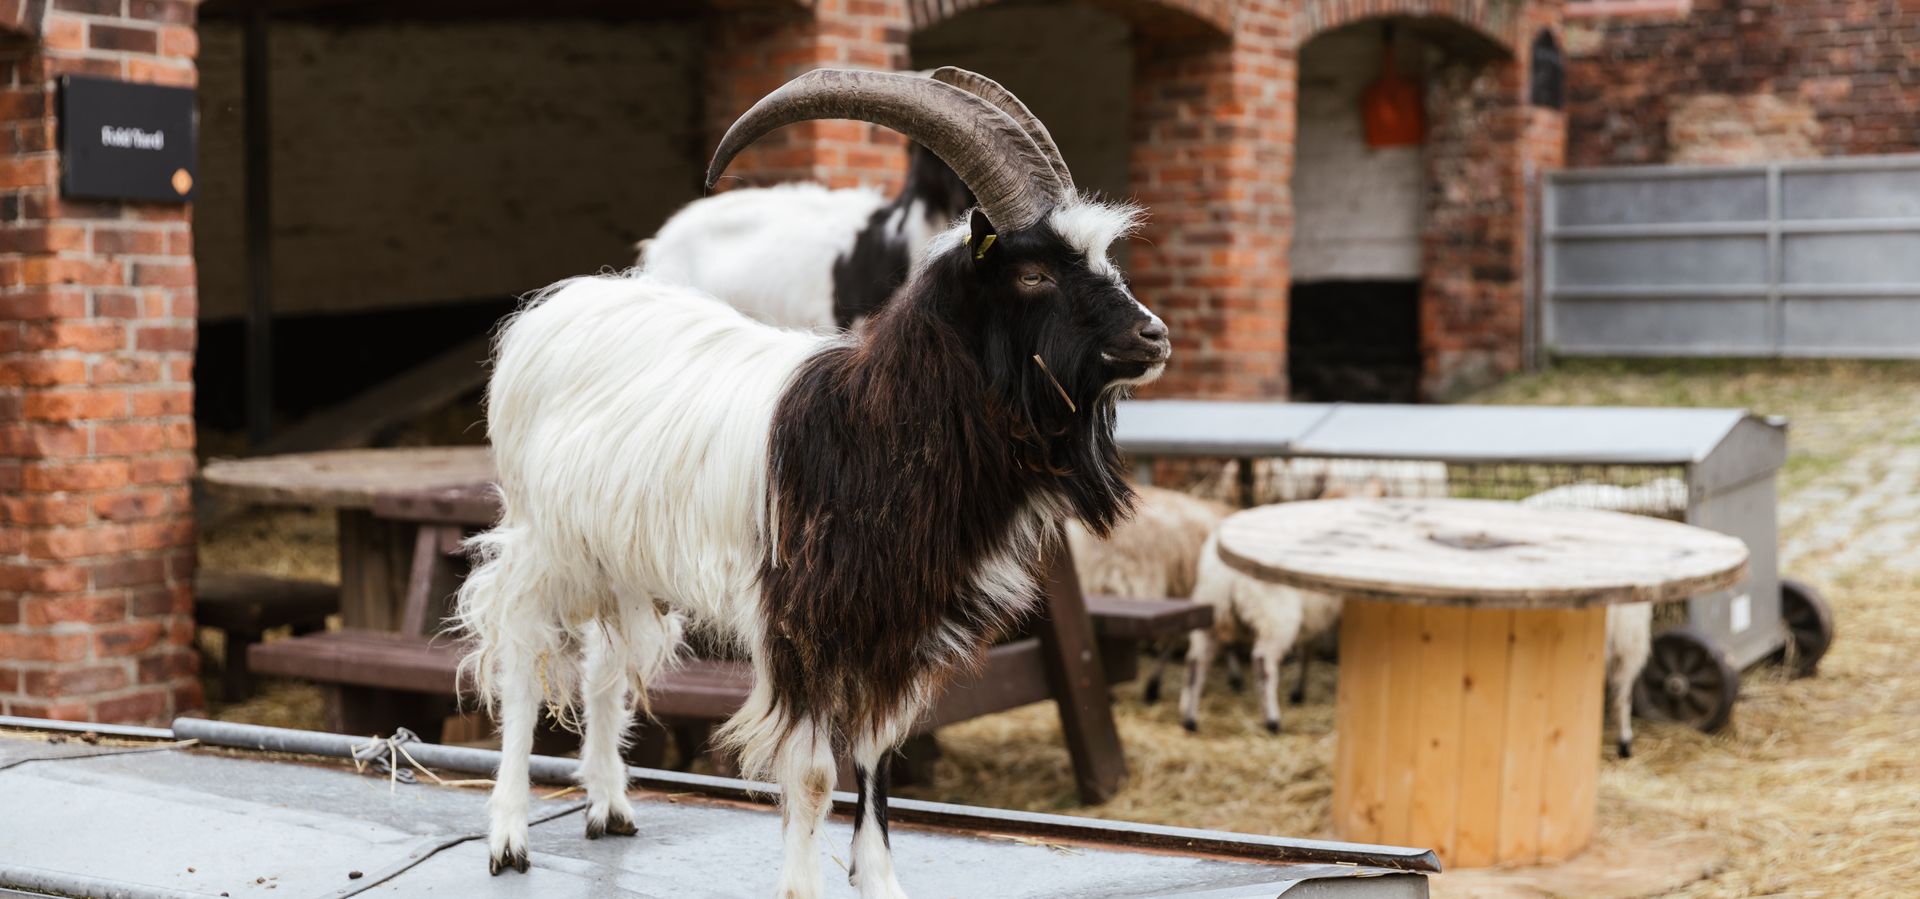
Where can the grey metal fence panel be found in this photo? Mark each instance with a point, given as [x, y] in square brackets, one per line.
[1813, 258]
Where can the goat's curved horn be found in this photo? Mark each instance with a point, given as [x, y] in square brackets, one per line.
[991, 91]
[987, 148]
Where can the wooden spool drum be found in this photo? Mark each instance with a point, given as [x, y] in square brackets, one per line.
[1473, 656]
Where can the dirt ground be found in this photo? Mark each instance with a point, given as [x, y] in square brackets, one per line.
[1814, 789]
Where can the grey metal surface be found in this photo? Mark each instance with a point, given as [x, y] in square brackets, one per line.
[1810, 258]
[1214, 427]
[204, 822]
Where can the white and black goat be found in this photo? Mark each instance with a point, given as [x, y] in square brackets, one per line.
[862, 514]
[822, 258]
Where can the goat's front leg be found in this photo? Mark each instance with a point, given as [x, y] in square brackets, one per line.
[805, 772]
[507, 807]
[872, 868]
[603, 771]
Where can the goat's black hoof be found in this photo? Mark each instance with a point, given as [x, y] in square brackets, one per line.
[1626, 749]
[1192, 726]
[1273, 727]
[517, 860]
[1150, 694]
[1237, 684]
[616, 824]
[1297, 697]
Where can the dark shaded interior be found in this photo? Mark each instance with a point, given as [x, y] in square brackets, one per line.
[1354, 341]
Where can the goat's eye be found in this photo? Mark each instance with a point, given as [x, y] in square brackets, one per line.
[1032, 279]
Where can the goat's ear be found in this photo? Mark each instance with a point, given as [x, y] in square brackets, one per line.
[982, 237]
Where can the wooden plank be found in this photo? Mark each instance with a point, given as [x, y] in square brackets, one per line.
[412, 393]
[1437, 728]
[258, 156]
[374, 564]
[1537, 638]
[1146, 619]
[1483, 715]
[1361, 719]
[1572, 744]
[1404, 692]
[1079, 686]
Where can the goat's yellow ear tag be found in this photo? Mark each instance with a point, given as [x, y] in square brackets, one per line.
[985, 244]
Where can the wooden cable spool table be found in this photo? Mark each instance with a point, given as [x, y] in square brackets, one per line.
[1472, 656]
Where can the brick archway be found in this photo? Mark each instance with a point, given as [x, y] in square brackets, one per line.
[1161, 18]
[1497, 22]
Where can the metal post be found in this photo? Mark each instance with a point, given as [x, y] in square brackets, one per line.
[259, 133]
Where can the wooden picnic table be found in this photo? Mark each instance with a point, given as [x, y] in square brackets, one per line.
[376, 554]
[402, 511]
[1472, 656]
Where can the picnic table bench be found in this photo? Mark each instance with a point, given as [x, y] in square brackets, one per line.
[404, 512]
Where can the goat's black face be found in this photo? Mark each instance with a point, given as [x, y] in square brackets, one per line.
[1045, 296]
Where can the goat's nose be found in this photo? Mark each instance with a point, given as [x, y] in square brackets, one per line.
[1153, 331]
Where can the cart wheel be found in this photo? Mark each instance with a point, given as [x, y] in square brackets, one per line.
[1809, 627]
[1687, 681]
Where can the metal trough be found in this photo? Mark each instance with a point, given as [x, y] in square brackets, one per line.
[267, 812]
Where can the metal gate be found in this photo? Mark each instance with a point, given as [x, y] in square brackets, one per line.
[1813, 258]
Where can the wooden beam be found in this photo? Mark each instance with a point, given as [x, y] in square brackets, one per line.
[408, 395]
[259, 201]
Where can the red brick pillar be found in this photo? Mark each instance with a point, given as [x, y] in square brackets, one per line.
[748, 55]
[1487, 148]
[96, 394]
[1212, 158]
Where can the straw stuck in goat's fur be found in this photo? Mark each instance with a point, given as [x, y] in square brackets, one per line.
[1056, 383]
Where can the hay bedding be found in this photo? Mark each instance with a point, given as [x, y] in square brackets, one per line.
[1813, 790]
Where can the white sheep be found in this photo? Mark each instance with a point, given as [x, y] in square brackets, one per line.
[1154, 555]
[1629, 625]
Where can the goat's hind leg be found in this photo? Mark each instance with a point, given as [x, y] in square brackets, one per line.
[609, 716]
[519, 710]
[805, 771]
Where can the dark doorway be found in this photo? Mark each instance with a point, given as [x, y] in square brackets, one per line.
[1354, 341]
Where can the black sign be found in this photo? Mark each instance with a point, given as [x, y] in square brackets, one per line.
[125, 141]
[1549, 72]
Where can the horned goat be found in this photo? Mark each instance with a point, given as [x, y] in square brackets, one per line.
[821, 258]
[863, 514]
[1154, 555]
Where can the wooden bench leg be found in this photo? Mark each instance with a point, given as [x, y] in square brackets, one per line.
[236, 682]
[649, 746]
[1079, 685]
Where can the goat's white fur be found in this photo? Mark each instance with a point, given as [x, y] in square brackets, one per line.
[793, 233]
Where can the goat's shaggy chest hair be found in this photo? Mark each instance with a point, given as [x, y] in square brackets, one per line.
[915, 479]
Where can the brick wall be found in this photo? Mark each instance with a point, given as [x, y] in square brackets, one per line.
[1486, 149]
[1212, 158]
[1744, 80]
[97, 312]
[749, 54]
